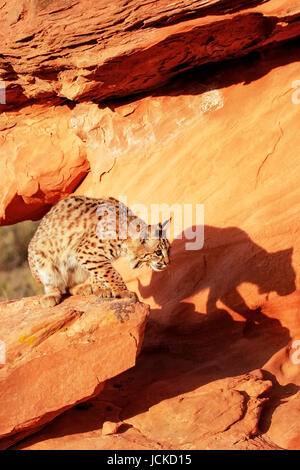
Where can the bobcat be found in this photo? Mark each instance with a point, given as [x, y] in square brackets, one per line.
[73, 247]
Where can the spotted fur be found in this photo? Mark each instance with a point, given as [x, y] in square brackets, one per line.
[67, 254]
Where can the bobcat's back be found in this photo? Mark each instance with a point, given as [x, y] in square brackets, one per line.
[68, 254]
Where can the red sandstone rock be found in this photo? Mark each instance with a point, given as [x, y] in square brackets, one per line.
[219, 415]
[36, 169]
[225, 411]
[110, 427]
[59, 357]
[285, 424]
[81, 429]
[95, 50]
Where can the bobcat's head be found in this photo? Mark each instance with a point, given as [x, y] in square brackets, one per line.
[283, 279]
[149, 250]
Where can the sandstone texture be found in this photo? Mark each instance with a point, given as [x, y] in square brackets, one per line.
[95, 50]
[56, 53]
[219, 366]
[220, 415]
[36, 171]
[59, 357]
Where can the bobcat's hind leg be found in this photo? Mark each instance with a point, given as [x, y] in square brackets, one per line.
[79, 281]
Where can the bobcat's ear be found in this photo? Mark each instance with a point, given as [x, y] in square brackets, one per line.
[161, 228]
[165, 223]
[158, 230]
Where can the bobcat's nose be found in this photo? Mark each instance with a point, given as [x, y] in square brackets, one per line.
[158, 266]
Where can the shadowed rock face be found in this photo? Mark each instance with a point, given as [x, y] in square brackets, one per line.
[218, 355]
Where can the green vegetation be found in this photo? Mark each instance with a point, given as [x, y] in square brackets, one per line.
[15, 277]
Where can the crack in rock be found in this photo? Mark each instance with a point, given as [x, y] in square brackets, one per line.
[269, 154]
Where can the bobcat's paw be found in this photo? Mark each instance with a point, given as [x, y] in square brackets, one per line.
[50, 300]
[81, 289]
[127, 294]
[102, 292]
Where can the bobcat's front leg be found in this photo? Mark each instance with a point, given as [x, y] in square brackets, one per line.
[105, 280]
[105, 275]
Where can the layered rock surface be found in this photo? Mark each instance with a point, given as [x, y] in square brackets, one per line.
[57, 53]
[59, 357]
[95, 50]
[218, 415]
[220, 355]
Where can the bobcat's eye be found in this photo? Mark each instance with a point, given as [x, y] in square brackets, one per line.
[158, 252]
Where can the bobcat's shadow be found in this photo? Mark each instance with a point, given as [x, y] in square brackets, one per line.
[228, 258]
